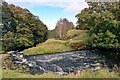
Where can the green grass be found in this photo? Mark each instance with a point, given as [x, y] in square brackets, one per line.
[50, 46]
[53, 45]
[1, 51]
[103, 73]
[77, 34]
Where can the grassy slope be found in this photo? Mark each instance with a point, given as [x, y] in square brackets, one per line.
[50, 46]
[53, 45]
[104, 73]
[77, 34]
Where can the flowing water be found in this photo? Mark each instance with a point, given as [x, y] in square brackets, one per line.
[61, 63]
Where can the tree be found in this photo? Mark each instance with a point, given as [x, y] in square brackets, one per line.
[62, 26]
[51, 34]
[9, 41]
[21, 28]
[102, 21]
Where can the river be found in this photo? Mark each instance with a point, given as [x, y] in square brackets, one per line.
[65, 62]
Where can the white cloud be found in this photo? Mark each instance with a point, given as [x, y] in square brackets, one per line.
[62, 0]
[44, 1]
[76, 6]
[67, 5]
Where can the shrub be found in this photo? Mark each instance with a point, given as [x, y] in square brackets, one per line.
[77, 45]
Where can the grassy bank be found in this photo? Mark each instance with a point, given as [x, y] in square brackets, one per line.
[1, 48]
[50, 46]
[77, 35]
[75, 38]
[104, 73]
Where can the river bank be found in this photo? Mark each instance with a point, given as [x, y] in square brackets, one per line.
[103, 73]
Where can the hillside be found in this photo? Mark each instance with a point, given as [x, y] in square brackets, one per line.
[76, 40]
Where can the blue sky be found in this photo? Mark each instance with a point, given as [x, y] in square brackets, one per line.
[50, 12]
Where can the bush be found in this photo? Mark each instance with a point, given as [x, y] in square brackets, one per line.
[77, 45]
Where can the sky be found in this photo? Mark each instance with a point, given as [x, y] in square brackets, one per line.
[50, 11]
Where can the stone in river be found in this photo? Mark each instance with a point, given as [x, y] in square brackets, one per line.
[42, 64]
[97, 68]
[97, 64]
[36, 70]
[55, 68]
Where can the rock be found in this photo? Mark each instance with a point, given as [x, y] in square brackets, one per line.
[18, 62]
[20, 53]
[96, 61]
[42, 64]
[21, 56]
[69, 69]
[30, 65]
[11, 52]
[96, 68]
[65, 73]
[87, 66]
[40, 70]
[24, 60]
[55, 68]
[85, 63]
[61, 73]
[36, 70]
[97, 64]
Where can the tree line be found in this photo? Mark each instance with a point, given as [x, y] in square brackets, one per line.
[23, 29]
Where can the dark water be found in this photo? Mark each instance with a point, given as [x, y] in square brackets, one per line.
[65, 62]
[112, 56]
